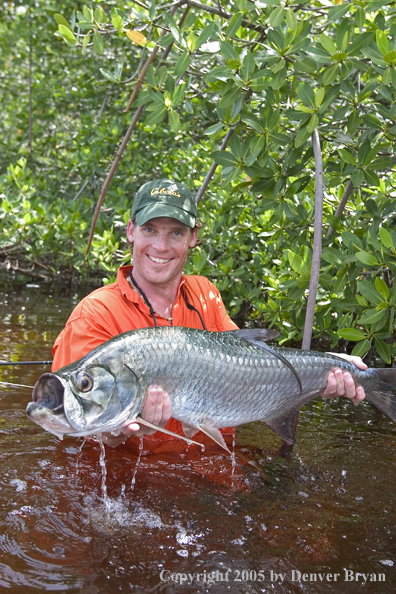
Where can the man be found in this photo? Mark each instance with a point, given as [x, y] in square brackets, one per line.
[154, 291]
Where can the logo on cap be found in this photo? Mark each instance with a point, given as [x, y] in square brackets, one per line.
[164, 191]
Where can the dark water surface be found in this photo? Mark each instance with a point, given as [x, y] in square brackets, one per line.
[313, 522]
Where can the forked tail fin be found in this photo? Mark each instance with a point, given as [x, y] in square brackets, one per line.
[383, 396]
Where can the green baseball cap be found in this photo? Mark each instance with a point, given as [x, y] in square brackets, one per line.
[164, 198]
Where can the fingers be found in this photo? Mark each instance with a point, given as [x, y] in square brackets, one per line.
[341, 383]
[156, 410]
[353, 359]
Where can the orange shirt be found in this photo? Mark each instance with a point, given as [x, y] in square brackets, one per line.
[117, 308]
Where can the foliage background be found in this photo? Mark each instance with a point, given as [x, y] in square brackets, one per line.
[271, 71]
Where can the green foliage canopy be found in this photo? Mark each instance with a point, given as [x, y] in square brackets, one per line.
[270, 72]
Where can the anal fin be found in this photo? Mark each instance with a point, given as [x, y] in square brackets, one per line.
[212, 432]
[284, 424]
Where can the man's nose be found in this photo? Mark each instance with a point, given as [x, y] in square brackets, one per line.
[161, 242]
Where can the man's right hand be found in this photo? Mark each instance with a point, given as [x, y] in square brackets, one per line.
[156, 410]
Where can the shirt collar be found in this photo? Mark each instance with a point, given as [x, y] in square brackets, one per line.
[131, 294]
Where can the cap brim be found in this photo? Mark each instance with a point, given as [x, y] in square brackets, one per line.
[153, 211]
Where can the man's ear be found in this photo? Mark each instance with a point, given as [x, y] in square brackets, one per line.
[193, 239]
[130, 231]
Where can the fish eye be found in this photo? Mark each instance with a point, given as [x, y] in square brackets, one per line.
[84, 382]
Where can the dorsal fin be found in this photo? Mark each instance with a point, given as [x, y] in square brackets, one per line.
[256, 334]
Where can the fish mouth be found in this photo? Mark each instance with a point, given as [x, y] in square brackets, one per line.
[47, 406]
[48, 391]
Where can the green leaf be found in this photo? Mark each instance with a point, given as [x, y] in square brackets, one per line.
[253, 121]
[231, 97]
[296, 262]
[291, 19]
[248, 66]
[228, 51]
[277, 16]
[331, 74]
[236, 147]
[157, 115]
[366, 258]
[361, 348]
[174, 120]
[339, 57]
[88, 13]
[351, 334]
[67, 34]
[360, 42]
[372, 316]
[174, 29]
[302, 136]
[100, 15]
[346, 156]
[319, 96]
[98, 43]
[353, 122]
[382, 288]
[204, 35]
[280, 139]
[234, 24]
[85, 42]
[338, 12]
[306, 94]
[182, 64]
[306, 65]
[109, 75]
[367, 289]
[224, 158]
[118, 23]
[382, 41]
[386, 238]
[360, 17]
[312, 123]
[372, 178]
[357, 177]
[218, 73]
[331, 256]
[214, 129]
[383, 350]
[390, 57]
[327, 44]
[60, 20]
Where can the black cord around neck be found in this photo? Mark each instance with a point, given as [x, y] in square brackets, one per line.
[193, 308]
[152, 312]
[147, 302]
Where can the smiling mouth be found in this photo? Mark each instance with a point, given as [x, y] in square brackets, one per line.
[159, 260]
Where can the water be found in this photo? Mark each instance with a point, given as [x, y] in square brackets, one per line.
[193, 521]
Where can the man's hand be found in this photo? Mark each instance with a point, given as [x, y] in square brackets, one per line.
[156, 410]
[341, 383]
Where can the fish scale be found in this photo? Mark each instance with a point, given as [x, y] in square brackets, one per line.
[214, 380]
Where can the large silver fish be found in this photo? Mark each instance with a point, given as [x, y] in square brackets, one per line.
[214, 379]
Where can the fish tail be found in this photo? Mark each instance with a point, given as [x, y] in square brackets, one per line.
[383, 395]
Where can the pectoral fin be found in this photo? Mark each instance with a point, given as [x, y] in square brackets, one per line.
[212, 432]
[148, 424]
[189, 431]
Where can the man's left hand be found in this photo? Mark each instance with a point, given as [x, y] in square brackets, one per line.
[341, 383]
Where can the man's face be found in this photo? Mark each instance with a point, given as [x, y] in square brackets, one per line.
[160, 249]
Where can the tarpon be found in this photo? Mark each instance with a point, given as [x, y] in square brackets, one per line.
[214, 380]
